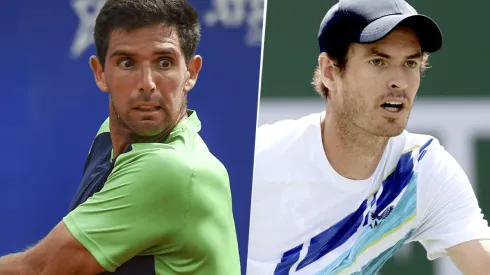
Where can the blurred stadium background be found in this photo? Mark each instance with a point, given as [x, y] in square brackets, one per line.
[453, 102]
[51, 108]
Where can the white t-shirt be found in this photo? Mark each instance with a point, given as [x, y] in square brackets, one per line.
[308, 219]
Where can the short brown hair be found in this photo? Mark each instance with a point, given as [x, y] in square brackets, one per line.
[341, 65]
[129, 15]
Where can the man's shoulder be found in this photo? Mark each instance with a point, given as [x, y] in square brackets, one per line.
[102, 137]
[166, 161]
[104, 127]
[150, 161]
[281, 135]
[423, 150]
[408, 142]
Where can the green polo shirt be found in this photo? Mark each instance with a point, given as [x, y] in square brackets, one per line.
[169, 201]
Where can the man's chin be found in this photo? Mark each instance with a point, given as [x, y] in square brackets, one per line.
[392, 134]
[391, 131]
[149, 130]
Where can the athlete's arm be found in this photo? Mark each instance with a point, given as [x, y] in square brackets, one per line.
[452, 222]
[57, 254]
[141, 207]
[472, 257]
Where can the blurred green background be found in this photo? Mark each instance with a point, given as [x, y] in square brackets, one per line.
[453, 102]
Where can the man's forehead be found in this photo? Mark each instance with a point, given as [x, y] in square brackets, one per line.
[166, 35]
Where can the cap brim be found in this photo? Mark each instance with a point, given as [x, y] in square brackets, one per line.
[429, 34]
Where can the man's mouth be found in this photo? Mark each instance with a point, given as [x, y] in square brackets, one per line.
[392, 106]
[148, 108]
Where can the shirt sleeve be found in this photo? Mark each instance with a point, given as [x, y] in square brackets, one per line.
[447, 204]
[142, 205]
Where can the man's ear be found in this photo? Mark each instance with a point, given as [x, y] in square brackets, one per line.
[193, 69]
[98, 71]
[328, 71]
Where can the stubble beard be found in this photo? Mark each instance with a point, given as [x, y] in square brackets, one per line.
[354, 120]
[170, 121]
[359, 133]
[349, 116]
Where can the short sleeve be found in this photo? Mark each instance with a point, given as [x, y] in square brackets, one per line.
[447, 204]
[142, 205]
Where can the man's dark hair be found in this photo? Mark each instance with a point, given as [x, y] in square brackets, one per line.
[129, 15]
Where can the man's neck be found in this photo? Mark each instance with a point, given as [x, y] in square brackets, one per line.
[122, 137]
[351, 151]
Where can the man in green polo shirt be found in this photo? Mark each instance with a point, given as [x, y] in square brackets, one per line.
[153, 199]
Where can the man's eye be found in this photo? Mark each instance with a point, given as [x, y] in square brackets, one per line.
[165, 63]
[376, 62]
[412, 64]
[126, 63]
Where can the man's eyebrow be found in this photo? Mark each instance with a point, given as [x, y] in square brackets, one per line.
[121, 53]
[157, 52]
[415, 55]
[377, 52]
[166, 51]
